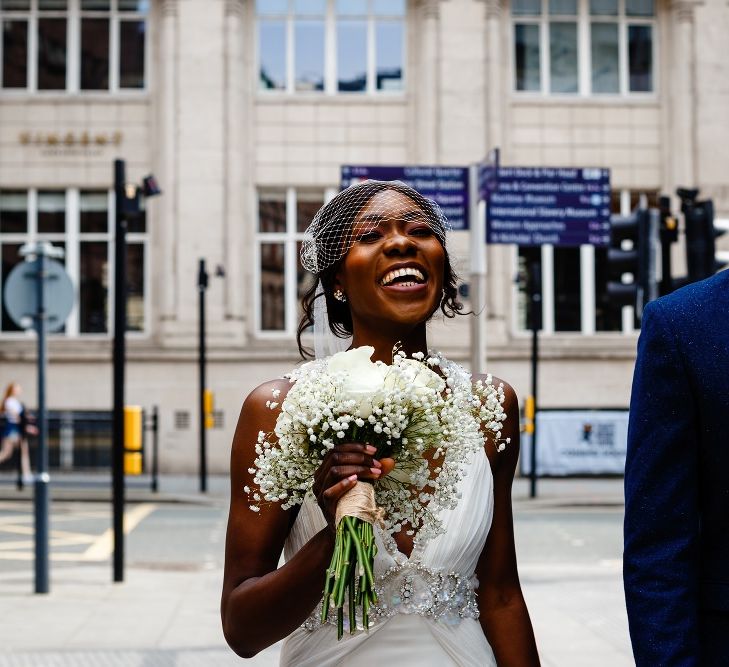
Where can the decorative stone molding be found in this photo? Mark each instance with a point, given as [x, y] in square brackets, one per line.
[494, 8]
[168, 7]
[430, 9]
[234, 8]
[684, 10]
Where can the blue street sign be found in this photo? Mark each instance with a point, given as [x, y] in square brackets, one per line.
[531, 206]
[447, 186]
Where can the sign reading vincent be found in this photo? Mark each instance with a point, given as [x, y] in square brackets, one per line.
[532, 206]
[447, 186]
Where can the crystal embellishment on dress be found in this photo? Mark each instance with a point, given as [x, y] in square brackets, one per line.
[412, 588]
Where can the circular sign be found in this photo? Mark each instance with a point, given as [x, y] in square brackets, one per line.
[21, 294]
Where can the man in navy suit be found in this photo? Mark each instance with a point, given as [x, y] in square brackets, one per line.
[676, 560]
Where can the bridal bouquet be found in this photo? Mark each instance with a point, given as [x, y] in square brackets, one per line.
[408, 411]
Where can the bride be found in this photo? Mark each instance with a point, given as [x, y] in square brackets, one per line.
[378, 251]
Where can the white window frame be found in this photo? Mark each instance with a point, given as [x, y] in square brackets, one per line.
[72, 238]
[330, 53]
[289, 238]
[73, 15]
[588, 314]
[583, 19]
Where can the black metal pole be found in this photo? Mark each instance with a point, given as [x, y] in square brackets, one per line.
[155, 451]
[42, 479]
[120, 325]
[535, 306]
[202, 284]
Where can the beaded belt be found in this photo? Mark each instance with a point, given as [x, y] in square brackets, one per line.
[412, 588]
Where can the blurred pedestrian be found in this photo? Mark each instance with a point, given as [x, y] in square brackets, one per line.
[677, 481]
[15, 429]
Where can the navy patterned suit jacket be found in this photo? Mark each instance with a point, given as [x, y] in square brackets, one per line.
[676, 559]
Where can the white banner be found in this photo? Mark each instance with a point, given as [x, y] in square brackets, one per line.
[578, 442]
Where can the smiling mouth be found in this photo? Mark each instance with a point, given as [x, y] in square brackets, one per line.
[406, 277]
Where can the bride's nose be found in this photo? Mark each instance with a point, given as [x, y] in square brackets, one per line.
[398, 243]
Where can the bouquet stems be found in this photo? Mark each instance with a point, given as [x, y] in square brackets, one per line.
[351, 572]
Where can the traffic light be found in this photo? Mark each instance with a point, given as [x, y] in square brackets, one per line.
[700, 235]
[640, 229]
[668, 233]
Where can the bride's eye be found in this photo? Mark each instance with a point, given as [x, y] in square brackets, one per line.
[368, 237]
[421, 230]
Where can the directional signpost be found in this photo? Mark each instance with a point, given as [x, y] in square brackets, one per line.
[447, 186]
[531, 206]
[39, 291]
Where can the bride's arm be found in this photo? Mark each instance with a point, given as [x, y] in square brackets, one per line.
[260, 603]
[503, 612]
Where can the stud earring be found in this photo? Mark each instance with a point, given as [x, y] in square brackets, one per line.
[339, 295]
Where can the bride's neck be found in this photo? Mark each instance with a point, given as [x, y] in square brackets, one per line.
[387, 343]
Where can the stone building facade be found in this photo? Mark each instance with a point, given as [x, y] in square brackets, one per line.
[245, 111]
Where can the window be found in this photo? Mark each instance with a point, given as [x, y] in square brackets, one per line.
[574, 282]
[80, 222]
[585, 47]
[332, 46]
[73, 45]
[283, 216]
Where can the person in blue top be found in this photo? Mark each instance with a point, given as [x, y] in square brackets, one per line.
[14, 429]
[676, 559]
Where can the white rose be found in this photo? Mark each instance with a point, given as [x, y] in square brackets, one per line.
[421, 377]
[364, 380]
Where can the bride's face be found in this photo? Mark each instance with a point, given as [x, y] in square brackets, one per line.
[394, 271]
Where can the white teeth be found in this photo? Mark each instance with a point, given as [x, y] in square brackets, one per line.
[399, 273]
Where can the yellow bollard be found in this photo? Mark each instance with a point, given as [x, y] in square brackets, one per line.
[132, 428]
[132, 463]
[529, 414]
[209, 406]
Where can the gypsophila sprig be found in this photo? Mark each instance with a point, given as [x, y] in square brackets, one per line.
[415, 410]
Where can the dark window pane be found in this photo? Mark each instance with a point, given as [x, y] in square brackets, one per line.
[94, 54]
[563, 57]
[51, 212]
[640, 58]
[13, 212]
[604, 7]
[306, 208]
[94, 287]
[528, 257]
[608, 316]
[93, 214]
[639, 7]
[309, 55]
[352, 56]
[272, 214]
[9, 259]
[526, 7]
[605, 68]
[565, 7]
[15, 5]
[51, 54]
[273, 308]
[135, 287]
[526, 55]
[272, 54]
[388, 55]
[15, 53]
[138, 6]
[131, 53]
[96, 5]
[567, 304]
[52, 5]
[304, 280]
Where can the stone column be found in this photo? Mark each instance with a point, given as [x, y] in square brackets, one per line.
[167, 121]
[682, 92]
[427, 106]
[235, 123]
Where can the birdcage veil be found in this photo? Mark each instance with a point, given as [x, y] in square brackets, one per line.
[348, 217]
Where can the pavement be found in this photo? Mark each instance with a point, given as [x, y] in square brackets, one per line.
[166, 612]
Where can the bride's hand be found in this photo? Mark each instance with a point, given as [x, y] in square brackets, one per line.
[339, 471]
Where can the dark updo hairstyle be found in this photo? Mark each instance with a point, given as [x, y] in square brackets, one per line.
[342, 210]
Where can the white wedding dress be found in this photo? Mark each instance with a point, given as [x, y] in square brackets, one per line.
[426, 615]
